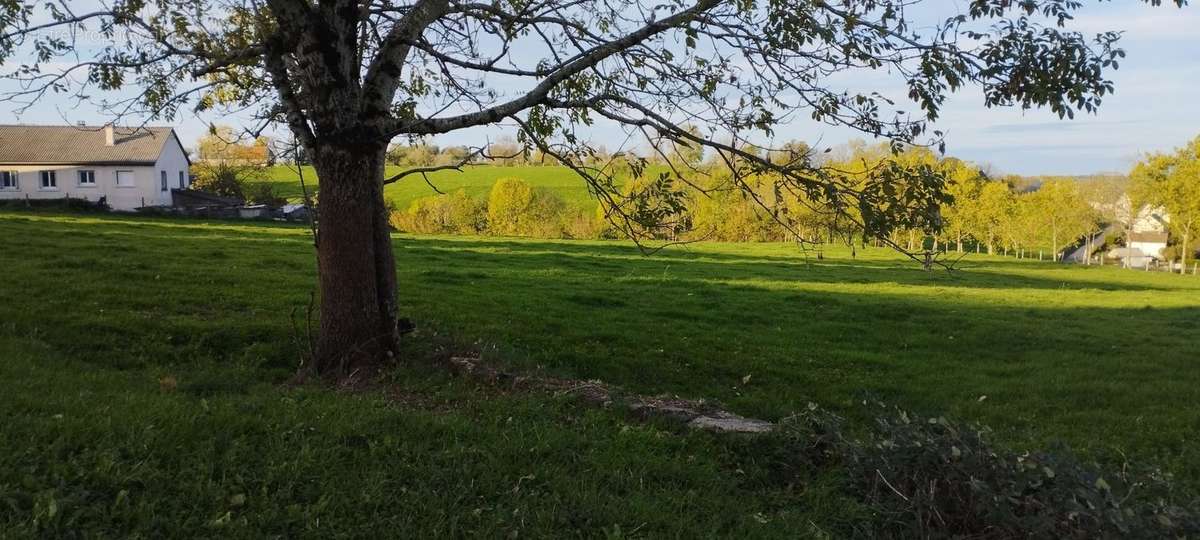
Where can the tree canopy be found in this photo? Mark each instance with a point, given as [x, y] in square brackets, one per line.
[348, 76]
[1172, 181]
[372, 71]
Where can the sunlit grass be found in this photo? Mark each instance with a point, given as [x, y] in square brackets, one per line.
[95, 310]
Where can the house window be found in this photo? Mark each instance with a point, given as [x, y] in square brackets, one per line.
[9, 180]
[124, 178]
[87, 178]
[163, 179]
[182, 181]
[49, 180]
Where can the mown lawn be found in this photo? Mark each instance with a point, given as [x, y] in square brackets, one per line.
[476, 181]
[96, 311]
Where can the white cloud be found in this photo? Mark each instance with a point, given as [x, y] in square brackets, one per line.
[1141, 22]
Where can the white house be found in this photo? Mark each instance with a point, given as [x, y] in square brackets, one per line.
[1147, 232]
[128, 168]
[1150, 244]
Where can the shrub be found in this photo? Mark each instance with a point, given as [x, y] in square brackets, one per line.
[729, 216]
[545, 216]
[424, 216]
[580, 223]
[264, 193]
[466, 214]
[1173, 252]
[508, 206]
[226, 179]
[652, 207]
[55, 204]
[515, 209]
[456, 213]
[927, 477]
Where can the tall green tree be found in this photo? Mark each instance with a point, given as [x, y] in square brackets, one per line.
[346, 77]
[1022, 228]
[1173, 181]
[510, 207]
[1061, 213]
[963, 183]
[993, 214]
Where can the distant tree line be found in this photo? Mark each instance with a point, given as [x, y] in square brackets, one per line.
[426, 155]
[513, 208]
[506, 151]
[690, 198]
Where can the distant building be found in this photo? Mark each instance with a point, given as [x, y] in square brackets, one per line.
[1148, 218]
[1151, 244]
[1146, 232]
[127, 168]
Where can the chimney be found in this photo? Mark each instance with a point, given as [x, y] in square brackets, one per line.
[109, 138]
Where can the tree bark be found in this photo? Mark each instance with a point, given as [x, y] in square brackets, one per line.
[355, 261]
[1183, 252]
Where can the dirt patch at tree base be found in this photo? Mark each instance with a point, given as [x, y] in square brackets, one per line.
[694, 414]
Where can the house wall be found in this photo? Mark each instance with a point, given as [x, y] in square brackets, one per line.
[1147, 219]
[146, 190]
[1153, 249]
[119, 197]
[175, 163]
[1151, 220]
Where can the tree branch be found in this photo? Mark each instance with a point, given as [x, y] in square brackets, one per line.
[539, 93]
[383, 75]
[426, 170]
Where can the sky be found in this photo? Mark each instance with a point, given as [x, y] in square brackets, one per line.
[1156, 105]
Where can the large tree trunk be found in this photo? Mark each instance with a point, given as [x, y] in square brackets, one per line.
[355, 261]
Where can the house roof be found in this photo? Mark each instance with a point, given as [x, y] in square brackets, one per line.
[63, 145]
[1148, 237]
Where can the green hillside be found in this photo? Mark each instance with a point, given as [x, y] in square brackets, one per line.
[477, 181]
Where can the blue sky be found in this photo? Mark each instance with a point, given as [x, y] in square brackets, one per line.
[1156, 105]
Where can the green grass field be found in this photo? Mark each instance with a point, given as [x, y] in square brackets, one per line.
[476, 181]
[95, 311]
